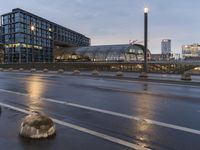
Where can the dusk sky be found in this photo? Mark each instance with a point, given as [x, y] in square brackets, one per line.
[118, 21]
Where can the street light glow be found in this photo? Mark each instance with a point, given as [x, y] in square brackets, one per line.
[146, 10]
[32, 28]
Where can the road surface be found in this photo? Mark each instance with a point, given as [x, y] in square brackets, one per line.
[96, 113]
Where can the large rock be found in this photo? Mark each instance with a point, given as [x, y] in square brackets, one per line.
[37, 126]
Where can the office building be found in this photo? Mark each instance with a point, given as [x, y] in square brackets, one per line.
[1, 46]
[166, 46]
[191, 51]
[29, 38]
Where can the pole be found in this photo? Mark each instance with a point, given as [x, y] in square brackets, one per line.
[145, 39]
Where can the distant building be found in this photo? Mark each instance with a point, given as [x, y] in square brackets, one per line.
[1, 45]
[191, 52]
[1, 33]
[166, 48]
[30, 38]
[156, 57]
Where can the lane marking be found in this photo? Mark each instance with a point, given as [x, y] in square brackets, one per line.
[153, 122]
[82, 129]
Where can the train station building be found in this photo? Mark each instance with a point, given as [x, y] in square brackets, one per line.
[30, 38]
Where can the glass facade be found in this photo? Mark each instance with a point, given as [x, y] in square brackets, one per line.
[23, 44]
[113, 53]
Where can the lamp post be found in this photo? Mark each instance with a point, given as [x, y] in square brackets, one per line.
[146, 10]
[32, 34]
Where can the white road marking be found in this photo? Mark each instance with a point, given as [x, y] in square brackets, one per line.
[153, 122]
[82, 129]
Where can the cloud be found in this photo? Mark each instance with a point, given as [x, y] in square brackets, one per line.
[118, 21]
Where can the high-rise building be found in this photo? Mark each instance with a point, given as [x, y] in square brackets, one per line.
[30, 38]
[166, 46]
[191, 51]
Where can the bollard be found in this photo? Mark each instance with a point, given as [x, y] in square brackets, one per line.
[33, 70]
[45, 70]
[119, 74]
[21, 69]
[95, 73]
[143, 75]
[76, 72]
[186, 77]
[10, 69]
[37, 126]
[60, 71]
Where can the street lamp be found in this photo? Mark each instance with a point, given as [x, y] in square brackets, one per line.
[32, 28]
[146, 10]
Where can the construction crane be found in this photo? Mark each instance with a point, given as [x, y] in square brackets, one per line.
[135, 42]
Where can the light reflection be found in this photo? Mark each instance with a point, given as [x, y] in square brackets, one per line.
[36, 89]
[144, 109]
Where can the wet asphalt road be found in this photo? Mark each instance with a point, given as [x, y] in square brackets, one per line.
[175, 107]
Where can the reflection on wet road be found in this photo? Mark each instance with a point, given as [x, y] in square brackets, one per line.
[141, 114]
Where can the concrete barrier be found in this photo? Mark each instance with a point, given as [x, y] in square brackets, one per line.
[33, 70]
[37, 126]
[76, 72]
[10, 69]
[60, 71]
[95, 73]
[45, 70]
[119, 74]
[21, 69]
[143, 75]
[186, 77]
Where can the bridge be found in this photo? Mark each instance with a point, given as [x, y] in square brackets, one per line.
[173, 67]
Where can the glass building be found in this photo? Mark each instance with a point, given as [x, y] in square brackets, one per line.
[103, 53]
[30, 38]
